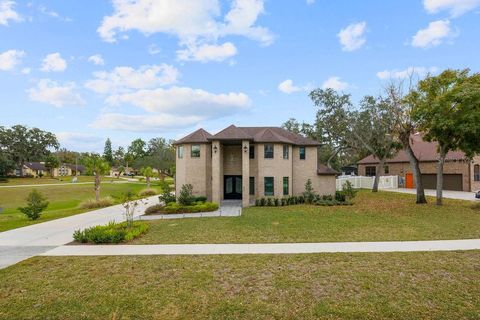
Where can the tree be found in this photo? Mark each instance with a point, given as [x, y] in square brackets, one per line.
[119, 157]
[107, 152]
[65, 156]
[148, 173]
[405, 126]
[51, 162]
[120, 169]
[35, 205]
[96, 166]
[6, 164]
[447, 110]
[160, 155]
[23, 144]
[137, 149]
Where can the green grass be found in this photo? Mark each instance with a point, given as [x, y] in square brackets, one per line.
[44, 180]
[374, 217]
[433, 285]
[64, 201]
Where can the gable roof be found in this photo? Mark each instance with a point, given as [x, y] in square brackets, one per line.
[199, 136]
[424, 151]
[254, 134]
[323, 170]
[35, 165]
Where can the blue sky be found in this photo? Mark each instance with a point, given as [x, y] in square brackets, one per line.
[88, 70]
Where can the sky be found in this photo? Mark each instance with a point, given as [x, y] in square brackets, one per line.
[124, 69]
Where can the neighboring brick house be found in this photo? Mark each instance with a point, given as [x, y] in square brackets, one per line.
[37, 169]
[250, 162]
[460, 173]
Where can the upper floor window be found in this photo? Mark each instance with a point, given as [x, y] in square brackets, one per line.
[268, 151]
[476, 172]
[195, 153]
[302, 153]
[286, 149]
[180, 152]
[370, 171]
[252, 152]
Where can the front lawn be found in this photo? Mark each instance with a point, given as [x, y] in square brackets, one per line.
[432, 285]
[374, 217]
[64, 201]
[43, 180]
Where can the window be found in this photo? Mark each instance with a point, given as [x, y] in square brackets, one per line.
[180, 152]
[252, 186]
[386, 169]
[252, 152]
[302, 153]
[269, 191]
[286, 149]
[285, 186]
[268, 151]
[195, 151]
[476, 172]
[370, 171]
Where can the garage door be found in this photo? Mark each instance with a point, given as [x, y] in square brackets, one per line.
[450, 181]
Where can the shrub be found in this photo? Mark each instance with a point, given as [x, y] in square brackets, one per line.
[327, 197]
[276, 202]
[110, 233]
[154, 209]
[284, 201]
[201, 199]
[301, 199]
[340, 196]
[263, 202]
[309, 194]
[269, 202]
[35, 205]
[178, 208]
[94, 204]
[147, 192]
[257, 202]
[166, 196]
[348, 190]
[186, 197]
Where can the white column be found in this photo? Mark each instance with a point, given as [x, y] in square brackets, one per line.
[217, 163]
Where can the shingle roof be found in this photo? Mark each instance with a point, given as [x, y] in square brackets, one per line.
[199, 136]
[326, 171]
[425, 152]
[255, 134]
[35, 165]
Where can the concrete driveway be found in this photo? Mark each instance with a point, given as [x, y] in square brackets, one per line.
[460, 195]
[22, 243]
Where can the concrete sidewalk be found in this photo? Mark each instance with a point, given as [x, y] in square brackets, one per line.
[23, 243]
[459, 195]
[264, 248]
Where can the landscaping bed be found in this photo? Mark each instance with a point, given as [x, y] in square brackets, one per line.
[173, 208]
[111, 233]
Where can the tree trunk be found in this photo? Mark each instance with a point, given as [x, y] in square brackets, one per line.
[148, 182]
[441, 162]
[379, 172]
[417, 175]
[97, 187]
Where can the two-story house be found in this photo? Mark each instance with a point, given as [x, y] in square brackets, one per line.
[250, 162]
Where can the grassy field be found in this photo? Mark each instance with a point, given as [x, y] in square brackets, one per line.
[43, 180]
[64, 201]
[373, 217]
[434, 285]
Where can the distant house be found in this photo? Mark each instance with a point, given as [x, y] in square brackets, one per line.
[250, 162]
[38, 169]
[460, 173]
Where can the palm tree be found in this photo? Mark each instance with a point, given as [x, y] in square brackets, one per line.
[96, 166]
[148, 173]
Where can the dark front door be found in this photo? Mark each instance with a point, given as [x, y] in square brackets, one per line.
[232, 187]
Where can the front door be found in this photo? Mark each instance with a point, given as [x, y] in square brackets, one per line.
[232, 187]
[409, 181]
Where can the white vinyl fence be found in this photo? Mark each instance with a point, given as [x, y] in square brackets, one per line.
[361, 182]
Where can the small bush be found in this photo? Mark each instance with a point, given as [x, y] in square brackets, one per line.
[276, 201]
[263, 202]
[340, 196]
[110, 233]
[154, 209]
[93, 204]
[284, 201]
[309, 194]
[166, 196]
[348, 190]
[178, 208]
[35, 205]
[269, 202]
[147, 192]
[201, 199]
[186, 197]
[257, 202]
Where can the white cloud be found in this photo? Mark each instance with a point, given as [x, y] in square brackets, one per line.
[196, 23]
[433, 35]
[144, 123]
[184, 101]
[353, 36]
[122, 79]
[7, 13]
[335, 83]
[10, 59]
[288, 87]
[208, 52]
[26, 71]
[96, 59]
[53, 62]
[80, 141]
[51, 92]
[455, 7]
[404, 74]
[310, 1]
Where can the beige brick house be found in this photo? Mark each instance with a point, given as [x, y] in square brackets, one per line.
[460, 173]
[250, 162]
